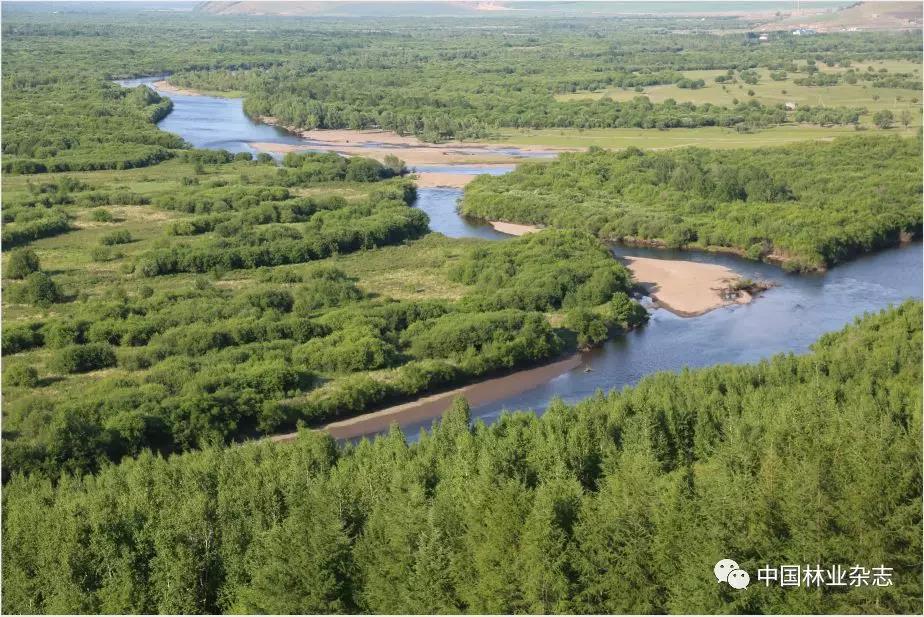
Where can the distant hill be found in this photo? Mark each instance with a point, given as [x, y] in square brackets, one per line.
[754, 11]
[352, 9]
[858, 16]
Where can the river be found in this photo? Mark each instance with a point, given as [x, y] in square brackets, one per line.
[786, 318]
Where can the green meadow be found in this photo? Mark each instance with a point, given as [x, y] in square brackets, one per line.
[772, 92]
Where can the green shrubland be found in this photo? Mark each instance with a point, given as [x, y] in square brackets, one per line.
[807, 205]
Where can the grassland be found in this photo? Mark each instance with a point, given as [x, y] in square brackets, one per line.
[704, 137]
[219, 270]
[67, 257]
[770, 92]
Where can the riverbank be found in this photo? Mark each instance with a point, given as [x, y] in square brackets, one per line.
[432, 407]
[167, 88]
[378, 144]
[434, 180]
[514, 229]
[687, 288]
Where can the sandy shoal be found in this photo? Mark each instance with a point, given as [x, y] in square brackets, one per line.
[343, 137]
[429, 180]
[685, 288]
[432, 407]
[411, 155]
[513, 229]
[378, 144]
[163, 86]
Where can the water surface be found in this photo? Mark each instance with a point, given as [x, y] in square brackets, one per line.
[220, 123]
[786, 318]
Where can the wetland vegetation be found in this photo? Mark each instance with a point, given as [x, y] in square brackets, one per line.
[806, 205]
[166, 307]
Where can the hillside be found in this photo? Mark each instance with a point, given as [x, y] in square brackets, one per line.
[343, 9]
[859, 16]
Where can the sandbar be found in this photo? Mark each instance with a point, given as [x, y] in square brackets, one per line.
[686, 288]
[426, 180]
[378, 144]
[422, 155]
[163, 86]
[514, 229]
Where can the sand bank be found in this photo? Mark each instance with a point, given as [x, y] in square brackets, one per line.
[163, 86]
[345, 136]
[686, 288]
[423, 155]
[427, 180]
[374, 137]
[432, 407]
[378, 144]
[513, 229]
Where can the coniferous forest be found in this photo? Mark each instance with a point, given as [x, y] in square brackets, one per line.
[816, 456]
[185, 326]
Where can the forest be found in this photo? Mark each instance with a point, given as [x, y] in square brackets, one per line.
[620, 504]
[265, 331]
[806, 206]
[180, 324]
[444, 79]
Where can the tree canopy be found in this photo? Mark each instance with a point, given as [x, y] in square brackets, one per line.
[621, 503]
[805, 205]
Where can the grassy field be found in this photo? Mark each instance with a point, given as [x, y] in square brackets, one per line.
[67, 257]
[415, 271]
[772, 92]
[705, 137]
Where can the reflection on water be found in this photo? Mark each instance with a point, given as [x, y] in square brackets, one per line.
[220, 123]
[440, 206]
[215, 122]
[786, 318]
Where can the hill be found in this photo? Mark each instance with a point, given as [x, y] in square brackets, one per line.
[858, 16]
[350, 9]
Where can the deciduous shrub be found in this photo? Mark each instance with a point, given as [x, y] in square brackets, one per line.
[21, 263]
[121, 236]
[591, 329]
[38, 289]
[21, 338]
[101, 215]
[20, 375]
[83, 358]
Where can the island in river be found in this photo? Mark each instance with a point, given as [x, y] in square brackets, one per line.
[687, 288]
[683, 287]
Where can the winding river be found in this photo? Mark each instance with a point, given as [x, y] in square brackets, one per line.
[786, 318]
